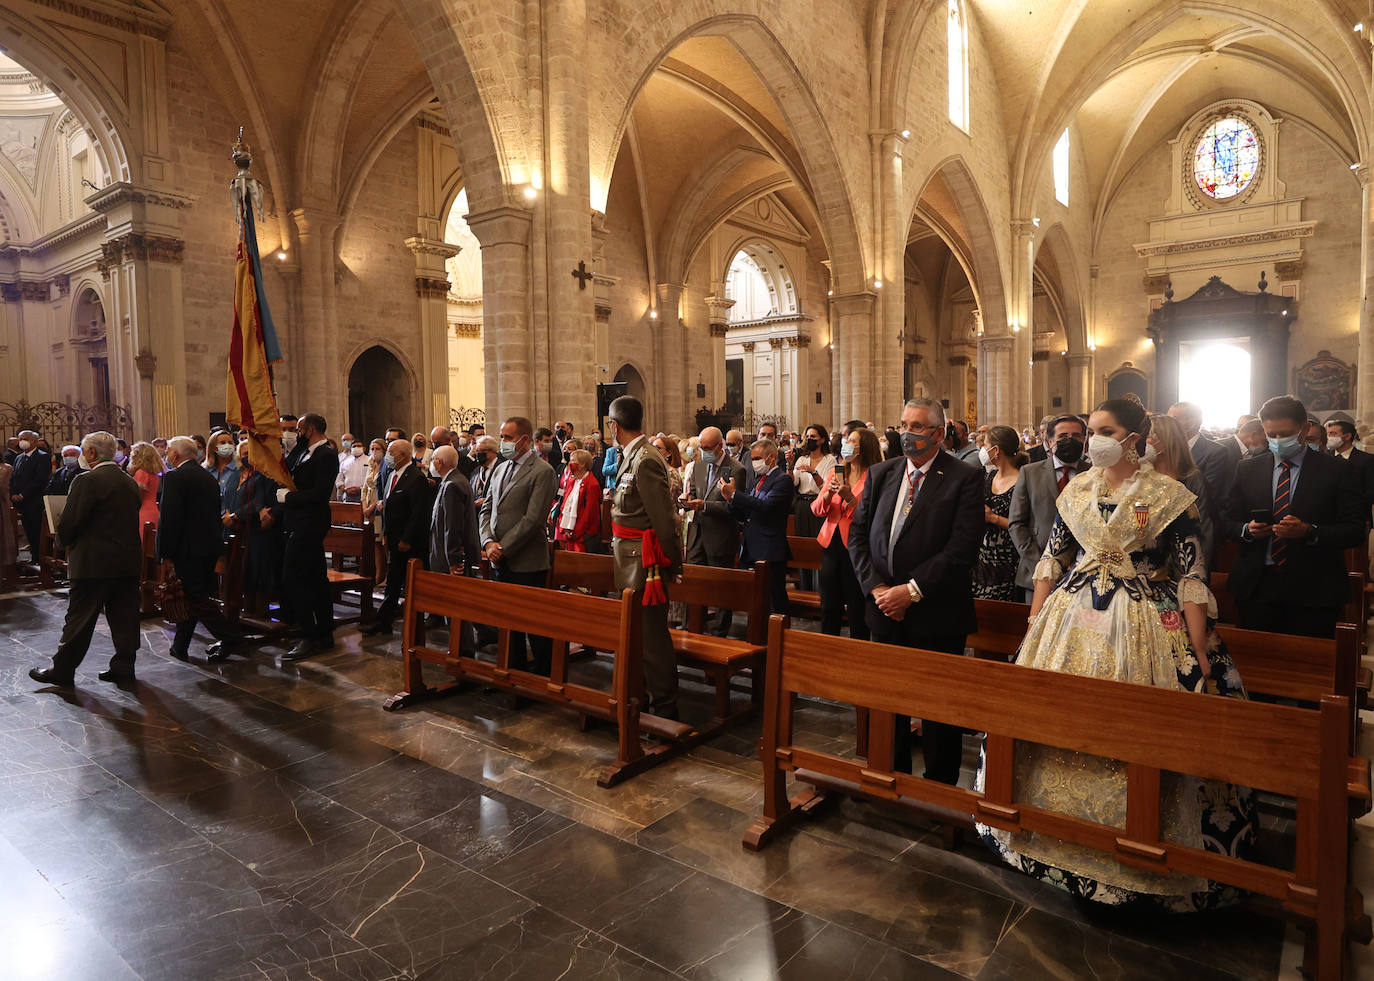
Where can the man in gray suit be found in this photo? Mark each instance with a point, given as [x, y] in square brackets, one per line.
[99, 528]
[1033, 502]
[642, 510]
[713, 531]
[453, 523]
[514, 516]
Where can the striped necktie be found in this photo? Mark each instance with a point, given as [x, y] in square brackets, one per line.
[1282, 499]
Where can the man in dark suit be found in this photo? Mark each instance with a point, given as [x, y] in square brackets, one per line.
[1340, 442]
[405, 527]
[305, 519]
[453, 541]
[32, 468]
[100, 531]
[1034, 500]
[189, 540]
[385, 470]
[1218, 466]
[1294, 512]
[914, 540]
[713, 532]
[762, 508]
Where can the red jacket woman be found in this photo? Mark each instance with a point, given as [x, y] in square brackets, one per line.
[579, 517]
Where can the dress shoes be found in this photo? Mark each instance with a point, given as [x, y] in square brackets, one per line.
[47, 676]
[304, 649]
[378, 629]
[326, 643]
[117, 677]
[180, 654]
[220, 650]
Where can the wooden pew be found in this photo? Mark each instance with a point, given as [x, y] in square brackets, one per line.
[151, 573]
[345, 513]
[1298, 753]
[355, 541]
[806, 554]
[719, 658]
[594, 621]
[52, 564]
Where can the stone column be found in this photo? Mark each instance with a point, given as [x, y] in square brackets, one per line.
[431, 290]
[1080, 383]
[996, 374]
[888, 364]
[507, 343]
[718, 312]
[319, 372]
[1021, 312]
[854, 352]
[1042, 399]
[141, 260]
[1364, 391]
[670, 357]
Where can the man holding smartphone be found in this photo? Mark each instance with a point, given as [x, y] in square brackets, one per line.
[1295, 512]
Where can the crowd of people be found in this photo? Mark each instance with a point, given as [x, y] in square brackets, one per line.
[1106, 524]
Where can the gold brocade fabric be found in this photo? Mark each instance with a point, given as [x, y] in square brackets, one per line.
[1123, 642]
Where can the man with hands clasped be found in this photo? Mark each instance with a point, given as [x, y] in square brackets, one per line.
[914, 540]
[1294, 511]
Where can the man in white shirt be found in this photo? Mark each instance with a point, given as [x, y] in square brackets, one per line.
[352, 472]
[345, 446]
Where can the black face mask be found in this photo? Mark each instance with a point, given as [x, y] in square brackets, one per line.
[917, 444]
[562, 435]
[1068, 449]
[481, 458]
[810, 446]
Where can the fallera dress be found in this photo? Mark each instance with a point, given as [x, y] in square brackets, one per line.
[1123, 562]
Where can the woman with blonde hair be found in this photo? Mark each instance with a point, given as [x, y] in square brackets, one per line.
[1167, 448]
[579, 514]
[145, 466]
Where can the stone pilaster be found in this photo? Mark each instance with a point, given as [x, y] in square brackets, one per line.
[507, 342]
[318, 360]
[996, 374]
[670, 355]
[431, 291]
[718, 315]
[853, 316]
[1364, 391]
[1081, 396]
[1021, 312]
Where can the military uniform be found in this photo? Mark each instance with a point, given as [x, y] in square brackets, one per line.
[642, 501]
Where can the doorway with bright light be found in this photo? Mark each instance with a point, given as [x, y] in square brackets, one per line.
[1215, 375]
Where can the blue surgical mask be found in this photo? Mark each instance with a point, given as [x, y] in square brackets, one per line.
[846, 450]
[71, 461]
[507, 449]
[1286, 447]
[1315, 447]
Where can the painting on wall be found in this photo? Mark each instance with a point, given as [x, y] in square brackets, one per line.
[1325, 383]
[734, 385]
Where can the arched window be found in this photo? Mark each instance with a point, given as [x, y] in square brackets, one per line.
[1061, 169]
[464, 269]
[750, 290]
[958, 66]
[1226, 158]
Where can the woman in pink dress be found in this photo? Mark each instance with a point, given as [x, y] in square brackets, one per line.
[145, 466]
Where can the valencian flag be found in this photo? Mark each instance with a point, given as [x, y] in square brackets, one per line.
[253, 346]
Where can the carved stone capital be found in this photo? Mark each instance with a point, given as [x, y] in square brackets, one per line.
[146, 362]
[9, 292]
[1038, 356]
[34, 292]
[775, 342]
[1288, 271]
[748, 346]
[138, 247]
[501, 226]
[719, 329]
[63, 282]
[603, 313]
[1156, 284]
[959, 360]
[430, 288]
[419, 245]
[467, 330]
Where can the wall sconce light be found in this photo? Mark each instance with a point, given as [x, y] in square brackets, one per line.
[653, 314]
[531, 194]
[877, 284]
[281, 255]
[906, 134]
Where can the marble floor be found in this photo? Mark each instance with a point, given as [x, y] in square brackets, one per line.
[269, 821]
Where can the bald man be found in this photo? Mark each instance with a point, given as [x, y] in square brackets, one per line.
[405, 529]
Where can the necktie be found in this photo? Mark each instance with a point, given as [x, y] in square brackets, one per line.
[710, 476]
[1282, 498]
[391, 484]
[903, 505]
[759, 484]
[1063, 478]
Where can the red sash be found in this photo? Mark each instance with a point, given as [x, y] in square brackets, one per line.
[652, 557]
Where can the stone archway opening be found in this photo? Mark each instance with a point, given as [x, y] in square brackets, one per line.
[633, 380]
[379, 394]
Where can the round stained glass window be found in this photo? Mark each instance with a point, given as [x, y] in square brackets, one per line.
[1226, 158]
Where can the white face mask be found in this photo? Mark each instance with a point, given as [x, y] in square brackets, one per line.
[1333, 443]
[81, 462]
[1151, 453]
[288, 439]
[1105, 451]
[985, 458]
[434, 469]
[71, 461]
[224, 450]
[25, 445]
[347, 444]
[691, 453]
[378, 454]
[356, 450]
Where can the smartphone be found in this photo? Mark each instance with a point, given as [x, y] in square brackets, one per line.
[843, 470]
[1262, 516]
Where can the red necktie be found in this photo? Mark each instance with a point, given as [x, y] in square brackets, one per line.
[1063, 478]
[759, 484]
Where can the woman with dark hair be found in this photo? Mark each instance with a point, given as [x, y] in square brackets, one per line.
[1121, 593]
[994, 576]
[811, 468]
[844, 485]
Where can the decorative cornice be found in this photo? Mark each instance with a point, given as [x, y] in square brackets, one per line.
[791, 318]
[122, 192]
[959, 360]
[420, 245]
[86, 225]
[432, 122]
[128, 17]
[1303, 229]
[137, 247]
[467, 330]
[1288, 271]
[431, 288]
[603, 313]
[1155, 284]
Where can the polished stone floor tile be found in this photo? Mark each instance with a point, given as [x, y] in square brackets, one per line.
[837, 954]
[484, 827]
[63, 949]
[402, 792]
[542, 946]
[343, 758]
[591, 878]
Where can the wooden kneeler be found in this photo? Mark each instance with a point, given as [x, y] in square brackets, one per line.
[600, 623]
[1299, 753]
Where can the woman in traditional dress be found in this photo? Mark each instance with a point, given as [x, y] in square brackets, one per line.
[994, 576]
[1121, 593]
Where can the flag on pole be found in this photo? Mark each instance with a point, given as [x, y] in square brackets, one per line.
[253, 345]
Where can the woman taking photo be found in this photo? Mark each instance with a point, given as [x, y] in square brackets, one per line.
[1121, 593]
[839, 496]
[994, 576]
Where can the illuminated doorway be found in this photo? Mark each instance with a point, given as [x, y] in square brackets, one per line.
[1215, 375]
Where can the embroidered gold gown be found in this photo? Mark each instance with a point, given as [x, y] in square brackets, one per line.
[1123, 563]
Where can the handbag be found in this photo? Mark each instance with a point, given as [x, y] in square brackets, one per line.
[171, 599]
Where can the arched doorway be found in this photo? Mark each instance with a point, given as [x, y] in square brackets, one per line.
[88, 337]
[634, 381]
[379, 394]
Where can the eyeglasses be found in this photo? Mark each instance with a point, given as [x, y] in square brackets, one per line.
[919, 429]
